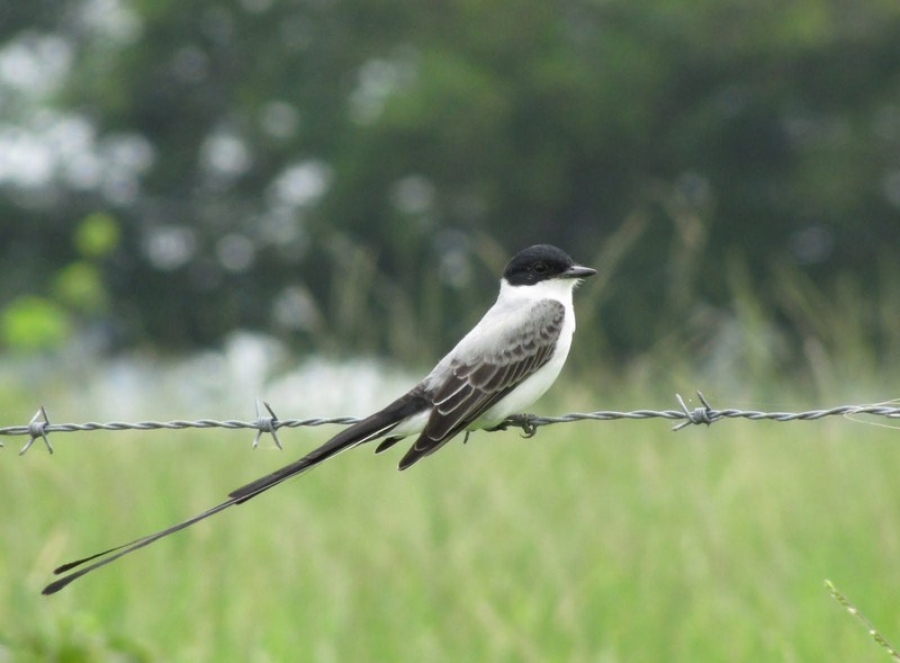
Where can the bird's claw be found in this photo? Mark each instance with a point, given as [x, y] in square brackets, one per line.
[523, 421]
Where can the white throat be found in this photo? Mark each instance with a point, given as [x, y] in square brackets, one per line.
[557, 289]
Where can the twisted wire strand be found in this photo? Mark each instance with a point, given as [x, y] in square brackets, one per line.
[39, 426]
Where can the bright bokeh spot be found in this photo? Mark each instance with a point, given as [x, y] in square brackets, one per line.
[33, 323]
[80, 286]
[97, 235]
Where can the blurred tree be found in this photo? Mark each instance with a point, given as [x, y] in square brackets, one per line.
[334, 172]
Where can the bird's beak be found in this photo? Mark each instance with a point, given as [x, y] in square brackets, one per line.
[578, 272]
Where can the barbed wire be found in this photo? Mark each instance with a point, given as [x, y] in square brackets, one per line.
[39, 427]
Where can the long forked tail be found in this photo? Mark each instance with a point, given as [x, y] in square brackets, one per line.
[366, 430]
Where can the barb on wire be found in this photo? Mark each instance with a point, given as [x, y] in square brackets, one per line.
[699, 415]
[266, 425]
[37, 428]
[40, 426]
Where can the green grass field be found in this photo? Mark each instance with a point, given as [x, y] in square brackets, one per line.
[590, 542]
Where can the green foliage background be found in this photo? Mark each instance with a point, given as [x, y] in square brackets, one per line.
[341, 173]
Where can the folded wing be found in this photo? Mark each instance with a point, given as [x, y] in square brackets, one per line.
[484, 371]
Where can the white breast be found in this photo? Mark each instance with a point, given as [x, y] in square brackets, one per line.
[523, 396]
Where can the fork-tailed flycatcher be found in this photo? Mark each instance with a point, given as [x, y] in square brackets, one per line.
[502, 366]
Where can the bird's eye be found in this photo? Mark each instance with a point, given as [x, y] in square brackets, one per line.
[541, 267]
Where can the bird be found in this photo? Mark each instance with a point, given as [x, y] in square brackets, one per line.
[505, 363]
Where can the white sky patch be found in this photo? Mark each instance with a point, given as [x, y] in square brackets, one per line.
[127, 151]
[112, 19]
[35, 65]
[377, 80]
[169, 247]
[26, 161]
[302, 184]
[225, 154]
[50, 146]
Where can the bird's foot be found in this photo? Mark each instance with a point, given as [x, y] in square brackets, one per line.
[523, 421]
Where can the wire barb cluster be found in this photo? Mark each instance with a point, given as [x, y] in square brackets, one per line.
[268, 424]
[705, 414]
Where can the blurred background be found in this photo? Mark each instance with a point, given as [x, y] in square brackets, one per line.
[351, 177]
[231, 189]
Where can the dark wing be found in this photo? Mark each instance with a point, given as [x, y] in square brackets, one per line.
[477, 381]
